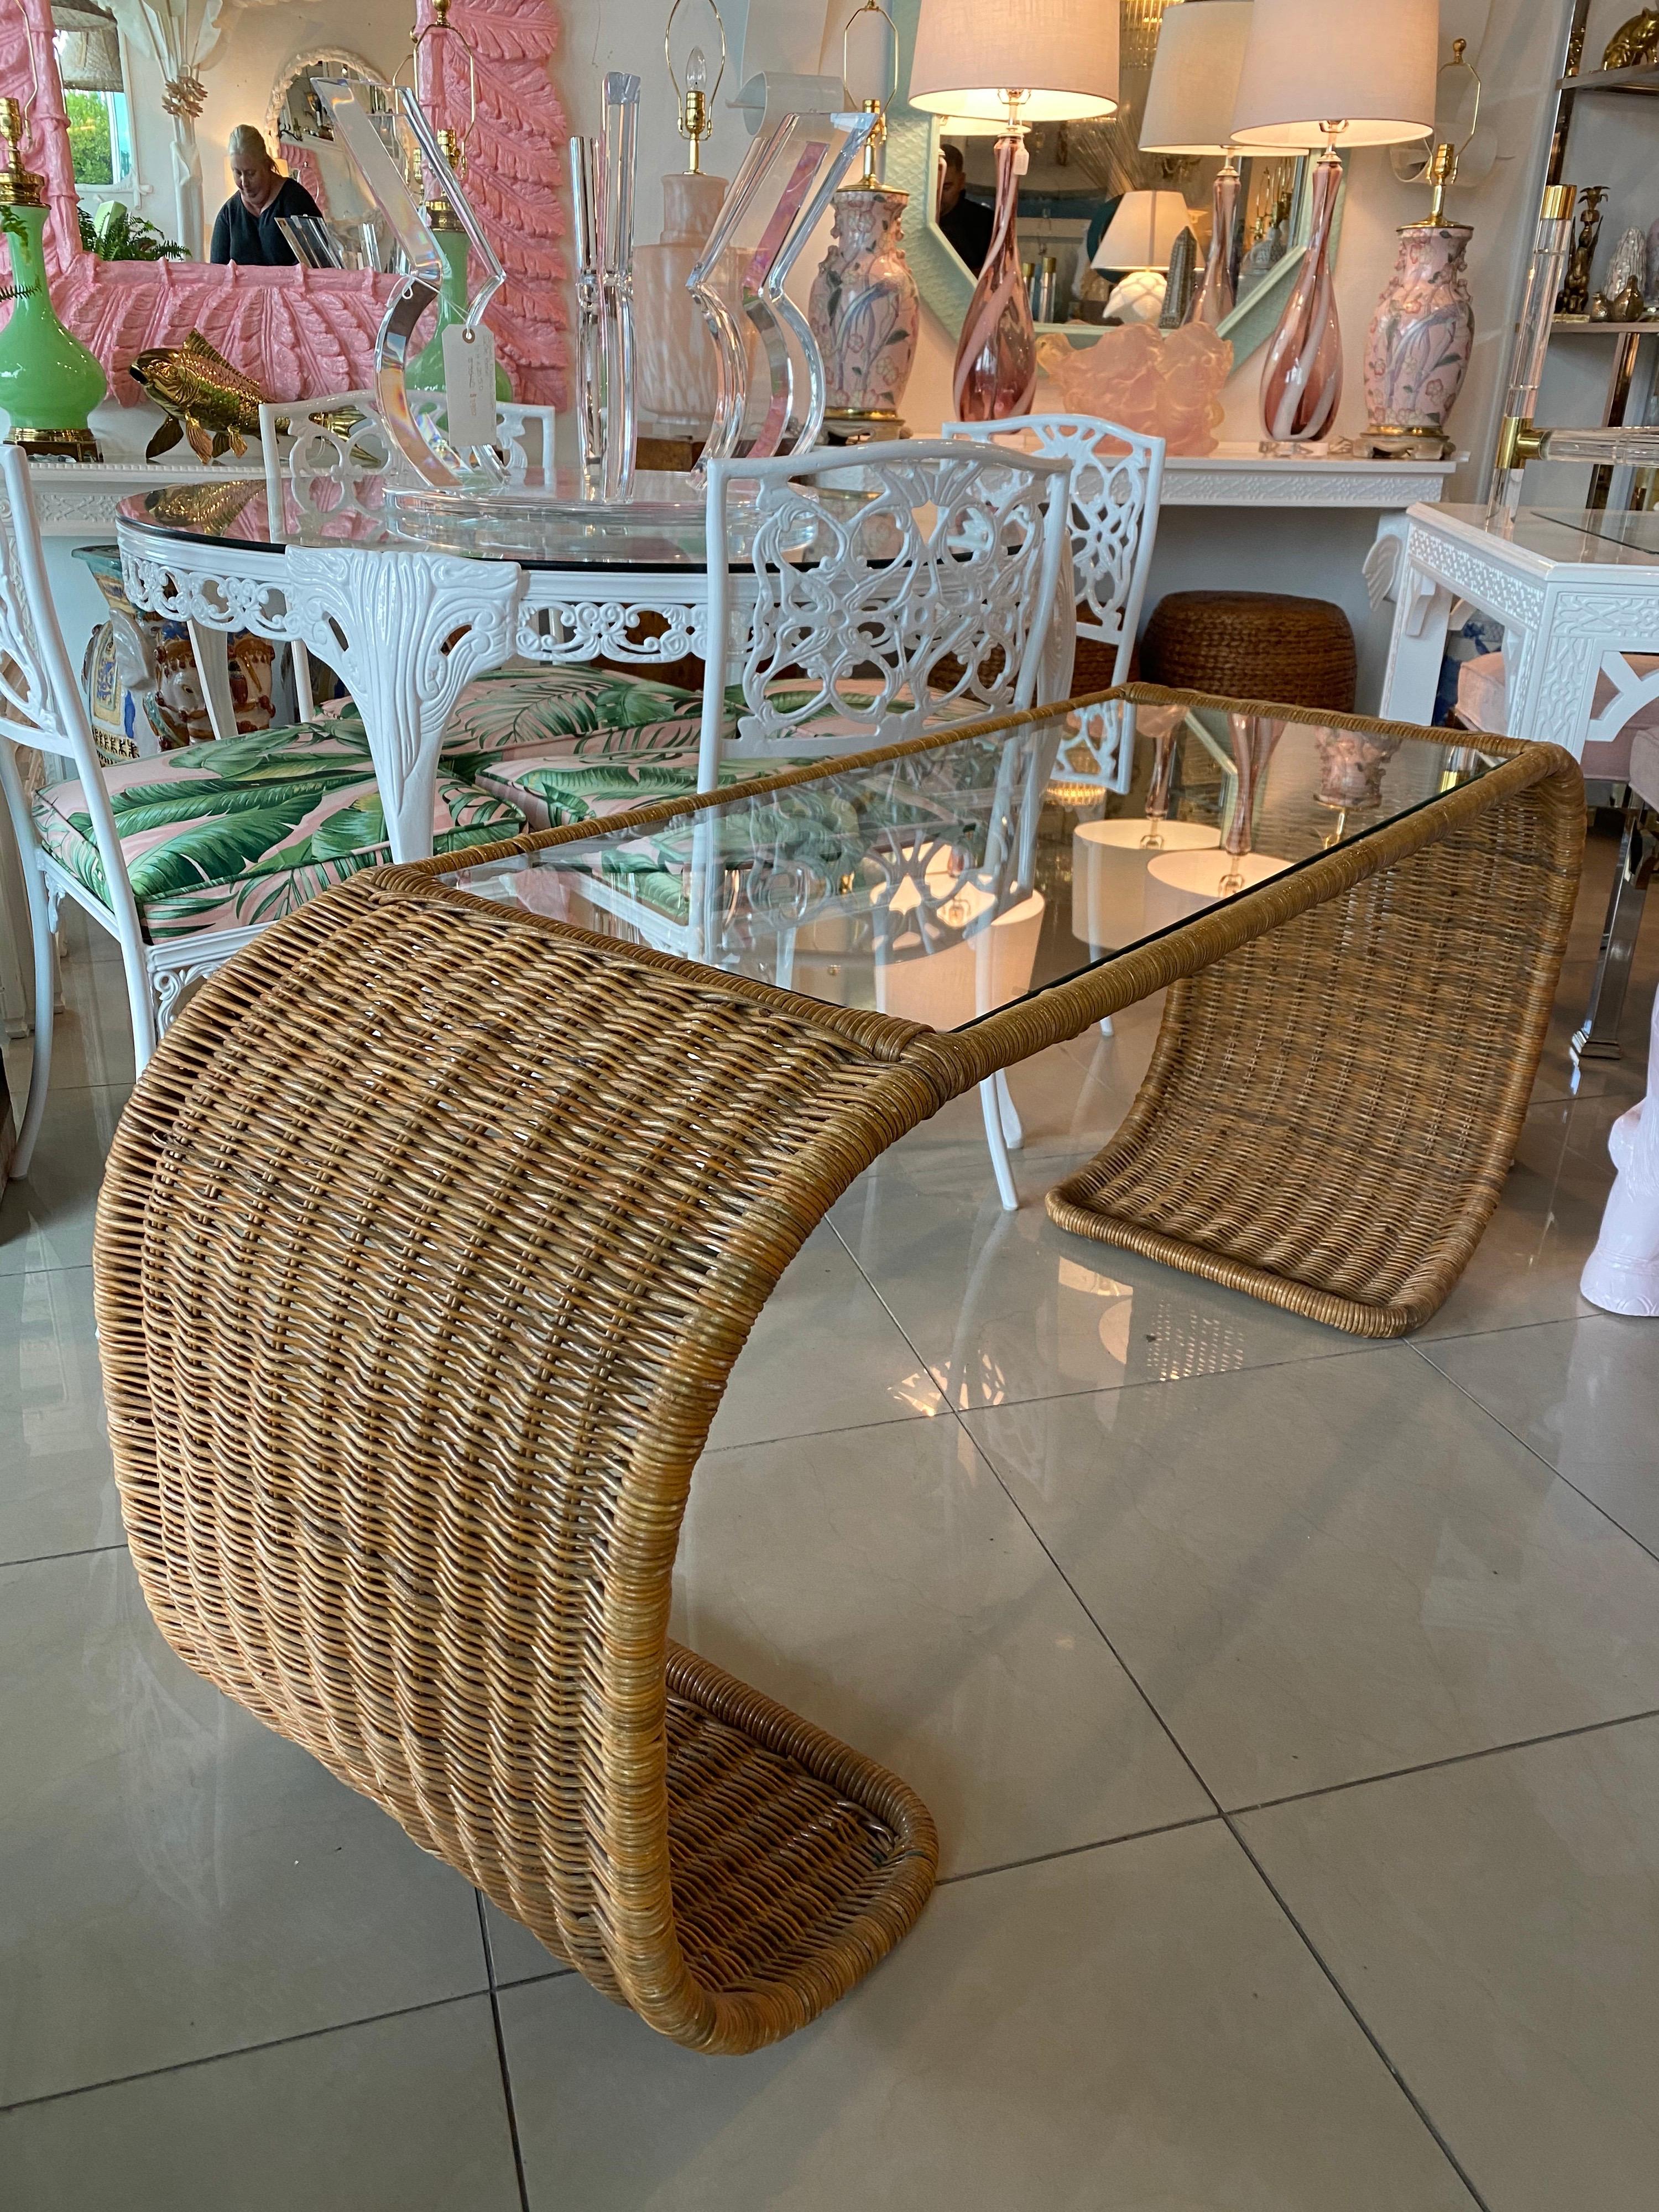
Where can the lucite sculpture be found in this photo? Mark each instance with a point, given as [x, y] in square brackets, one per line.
[780, 190]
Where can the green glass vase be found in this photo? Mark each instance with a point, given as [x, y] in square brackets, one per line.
[426, 373]
[49, 382]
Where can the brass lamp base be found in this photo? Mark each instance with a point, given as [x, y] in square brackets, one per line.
[60, 445]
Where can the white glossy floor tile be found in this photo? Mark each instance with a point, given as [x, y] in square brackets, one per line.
[56, 1492]
[1526, 1268]
[1004, 1307]
[1134, 2027]
[1498, 1923]
[881, 1584]
[824, 1354]
[47, 1221]
[176, 1880]
[399, 2115]
[1584, 1394]
[1332, 1569]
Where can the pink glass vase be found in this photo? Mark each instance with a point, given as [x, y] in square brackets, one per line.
[995, 373]
[1216, 298]
[1302, 378]
[1252, 739]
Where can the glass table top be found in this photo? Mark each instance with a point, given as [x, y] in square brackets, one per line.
[947, 883]
[1614, 538]
[542, 523]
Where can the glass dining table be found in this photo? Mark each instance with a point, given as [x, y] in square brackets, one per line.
[408, 595]
[456, 1194]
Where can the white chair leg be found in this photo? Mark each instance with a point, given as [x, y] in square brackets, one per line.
[45, 980]
[1013, 1128]
[1106, 1029]
[991, 1107]
[304, 700]
[212, 651]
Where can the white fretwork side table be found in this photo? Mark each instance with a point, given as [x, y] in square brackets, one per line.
[1576, 593]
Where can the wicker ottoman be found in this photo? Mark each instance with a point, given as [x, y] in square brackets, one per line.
[1252, 645]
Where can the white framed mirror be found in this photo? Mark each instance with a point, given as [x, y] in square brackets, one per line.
[1076, 170]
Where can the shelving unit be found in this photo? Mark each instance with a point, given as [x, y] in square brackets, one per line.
[1632, 370]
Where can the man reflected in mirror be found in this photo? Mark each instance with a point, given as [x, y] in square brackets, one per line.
[964, 221]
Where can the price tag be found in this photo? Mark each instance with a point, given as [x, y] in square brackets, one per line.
[470, 385]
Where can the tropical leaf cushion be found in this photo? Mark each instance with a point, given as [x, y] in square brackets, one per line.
[231, 835]
[591, 713]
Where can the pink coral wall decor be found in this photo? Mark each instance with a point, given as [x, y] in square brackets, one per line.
[515, 174]
[300, 331]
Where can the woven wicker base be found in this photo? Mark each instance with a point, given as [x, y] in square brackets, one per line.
[432, 1232]
[1331, 1110]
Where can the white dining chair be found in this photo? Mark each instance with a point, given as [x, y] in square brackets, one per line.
[864, 599]
[1117, 485]
[184, 858]
[859, 598]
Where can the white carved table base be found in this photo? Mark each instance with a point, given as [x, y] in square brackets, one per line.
[407, 631]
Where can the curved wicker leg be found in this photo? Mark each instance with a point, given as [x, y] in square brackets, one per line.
[425, 1250]
[434, 1228]
[1332, 1108]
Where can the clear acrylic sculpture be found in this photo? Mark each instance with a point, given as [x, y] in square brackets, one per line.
[602, 171]
[777, 197]
[386, 179]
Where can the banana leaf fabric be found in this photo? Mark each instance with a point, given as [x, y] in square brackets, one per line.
[231, 835]
[592, 713]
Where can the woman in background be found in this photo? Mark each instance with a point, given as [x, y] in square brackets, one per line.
[245, 229]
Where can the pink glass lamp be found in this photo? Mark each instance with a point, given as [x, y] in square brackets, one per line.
[1325, 74]
[1189, 110]
[1005, 64]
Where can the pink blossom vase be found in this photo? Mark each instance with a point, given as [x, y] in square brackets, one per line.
[1416, 351]
[995, 371]
[864, 309]
[1301, 377]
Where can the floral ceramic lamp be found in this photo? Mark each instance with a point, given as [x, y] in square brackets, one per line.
[1005, 67]
[1324, 74]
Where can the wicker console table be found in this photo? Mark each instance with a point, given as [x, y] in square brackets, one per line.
[433, 1228]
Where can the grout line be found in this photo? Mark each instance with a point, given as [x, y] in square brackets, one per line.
[1078, 1850]
[45, 1558]
[501, 2053]
[1358, 2019]
[240, 2050]
[1181, 1751]
[1531, 1450]
[1435, 1766]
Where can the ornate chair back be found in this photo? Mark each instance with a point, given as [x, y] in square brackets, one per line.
[42, 712]
[886, 595]
[1117, 484]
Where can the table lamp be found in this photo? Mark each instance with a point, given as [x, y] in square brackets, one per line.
[1189, 110]
[1006, 66]
[1139, 239]
[1324, 74]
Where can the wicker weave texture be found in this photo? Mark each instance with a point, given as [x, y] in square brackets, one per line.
[422, 1261]
[1346, 1166]
[1255, 645]
[431, 1234]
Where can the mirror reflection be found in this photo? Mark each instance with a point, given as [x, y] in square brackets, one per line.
[1082, 174]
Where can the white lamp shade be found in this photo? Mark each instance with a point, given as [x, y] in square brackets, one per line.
[1367, 69]
[1061, 54]
[864, 40]
[1142, 233]
[1189, 101]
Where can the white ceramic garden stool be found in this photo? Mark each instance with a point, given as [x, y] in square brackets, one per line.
[1622, 1273]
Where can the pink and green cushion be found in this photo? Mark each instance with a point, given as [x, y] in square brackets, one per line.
[588, 712]
[232, 835]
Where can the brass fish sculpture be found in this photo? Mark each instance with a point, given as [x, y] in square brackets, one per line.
[207, 401]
